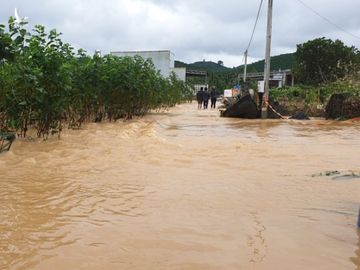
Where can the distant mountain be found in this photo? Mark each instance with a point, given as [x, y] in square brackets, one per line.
[203, 65]
[224, 77]
[283, 61]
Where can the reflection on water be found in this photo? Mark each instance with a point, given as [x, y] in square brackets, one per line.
[183, 189]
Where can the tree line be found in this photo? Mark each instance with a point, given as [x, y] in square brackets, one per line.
[45, 84]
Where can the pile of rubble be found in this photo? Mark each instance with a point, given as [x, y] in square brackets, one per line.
[343, 106]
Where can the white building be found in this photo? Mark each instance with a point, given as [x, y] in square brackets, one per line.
[180, 73]
[164, 61]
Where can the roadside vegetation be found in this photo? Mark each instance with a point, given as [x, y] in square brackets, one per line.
[316, 94]
[322, 68]
[45, 85]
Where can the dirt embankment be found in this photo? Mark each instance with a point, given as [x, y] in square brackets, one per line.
[292, 107]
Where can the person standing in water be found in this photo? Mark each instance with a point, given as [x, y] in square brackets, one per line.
[200, 97]
[213, 97]
[206, 97]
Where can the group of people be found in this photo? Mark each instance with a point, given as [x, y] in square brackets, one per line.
[203, 96]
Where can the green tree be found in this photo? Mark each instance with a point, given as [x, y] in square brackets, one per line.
[5, 45]
[323, 60]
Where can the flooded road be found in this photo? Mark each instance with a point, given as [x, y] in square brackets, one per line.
[184, 189]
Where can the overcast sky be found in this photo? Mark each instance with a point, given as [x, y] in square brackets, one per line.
[193, 30]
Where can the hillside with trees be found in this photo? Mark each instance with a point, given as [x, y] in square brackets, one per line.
[225, 77]
[204, 65]
[282, 61]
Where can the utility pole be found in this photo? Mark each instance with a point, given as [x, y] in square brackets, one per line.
[265, 102]
[245, 66]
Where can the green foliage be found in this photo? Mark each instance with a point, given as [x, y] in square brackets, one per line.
[289, 93]
[324, 67]
[5, 45]
[35, 82]
[44, 84]
[314, 94]
[323, 61]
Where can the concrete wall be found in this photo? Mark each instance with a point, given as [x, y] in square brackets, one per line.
[163, 60]
[180, 73]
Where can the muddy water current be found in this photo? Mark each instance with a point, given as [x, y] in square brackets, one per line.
[184, 189]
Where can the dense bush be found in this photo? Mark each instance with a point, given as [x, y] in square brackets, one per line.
[324, 61]
[44, 84]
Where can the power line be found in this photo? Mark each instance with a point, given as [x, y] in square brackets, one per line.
[327, 20]
[253, 31]
[256, 21]
[251, 38]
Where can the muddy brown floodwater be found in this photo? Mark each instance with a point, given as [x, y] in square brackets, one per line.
[183, 189]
